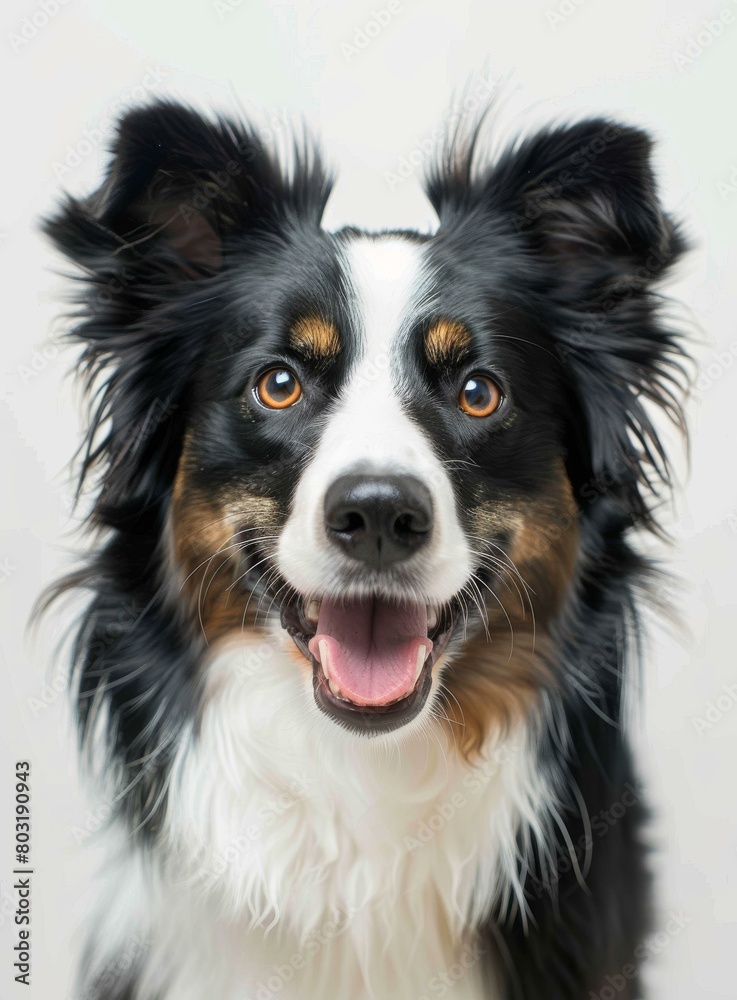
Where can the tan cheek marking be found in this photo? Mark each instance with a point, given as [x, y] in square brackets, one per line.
[546, 546]
[315, 336]
[446, 340]
[495, 519]
[493, 684]
[493, 687]
[203, 537]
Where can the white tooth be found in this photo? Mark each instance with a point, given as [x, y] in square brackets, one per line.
[432, 617]
[421, 656]
[312, 611]
[324, 658]
[325, 664]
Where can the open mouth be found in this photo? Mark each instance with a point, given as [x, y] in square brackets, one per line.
[371, 658]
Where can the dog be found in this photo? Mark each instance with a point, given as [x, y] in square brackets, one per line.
[363, 595]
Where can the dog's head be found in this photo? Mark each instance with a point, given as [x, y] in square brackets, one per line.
[390, 450]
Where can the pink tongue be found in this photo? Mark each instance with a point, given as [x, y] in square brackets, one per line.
[371, 649]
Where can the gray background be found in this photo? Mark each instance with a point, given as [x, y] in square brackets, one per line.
[658, 64]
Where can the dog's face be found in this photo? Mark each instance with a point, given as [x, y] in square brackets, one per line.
[374, 461]
[379, 443]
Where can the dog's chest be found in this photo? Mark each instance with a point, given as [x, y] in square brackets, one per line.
[338, 871]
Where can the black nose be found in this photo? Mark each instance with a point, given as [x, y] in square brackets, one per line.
[378, 520]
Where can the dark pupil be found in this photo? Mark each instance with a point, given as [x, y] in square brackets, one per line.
[478, 395]
[280, 386]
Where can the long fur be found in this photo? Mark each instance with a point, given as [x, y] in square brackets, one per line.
[196, 248]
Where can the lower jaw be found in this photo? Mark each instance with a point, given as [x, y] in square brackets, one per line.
[370, 720]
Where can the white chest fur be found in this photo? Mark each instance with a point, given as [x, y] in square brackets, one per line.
[306, 863]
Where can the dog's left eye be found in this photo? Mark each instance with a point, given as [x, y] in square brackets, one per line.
[278, 388]
[480, 396]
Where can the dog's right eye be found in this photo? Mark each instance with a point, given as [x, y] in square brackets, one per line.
[278, 388]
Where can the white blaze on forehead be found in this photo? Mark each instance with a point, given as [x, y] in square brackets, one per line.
[370, 429]
[386, 276]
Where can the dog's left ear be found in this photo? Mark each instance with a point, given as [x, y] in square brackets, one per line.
[573, 215]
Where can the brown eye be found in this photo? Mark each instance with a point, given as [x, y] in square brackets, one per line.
[480, 396]
[278, 389]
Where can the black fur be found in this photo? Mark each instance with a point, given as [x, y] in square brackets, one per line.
[571, 220]
[197, 252]
[147, 323]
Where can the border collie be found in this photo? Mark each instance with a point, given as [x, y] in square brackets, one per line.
[363, 590]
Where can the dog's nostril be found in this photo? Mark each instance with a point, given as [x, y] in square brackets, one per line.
[418, 515]
[378, 520]
[347, 522]
[407, 524]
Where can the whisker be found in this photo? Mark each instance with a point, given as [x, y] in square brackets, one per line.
[276, 595]
[249, 570]
[252, 592]
[224, 548]
[476, 597]
[447, 691]
[502, 571]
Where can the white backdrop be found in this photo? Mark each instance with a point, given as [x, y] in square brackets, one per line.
[376, 97]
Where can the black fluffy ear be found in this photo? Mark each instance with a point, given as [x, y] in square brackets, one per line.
[575, 208]
[178, 186]
[181, 198]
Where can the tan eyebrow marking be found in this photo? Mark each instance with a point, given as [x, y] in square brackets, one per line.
[445, 340]
[315, 336]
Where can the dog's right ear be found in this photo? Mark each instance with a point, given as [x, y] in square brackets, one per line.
[182, 198]
[178, 187]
